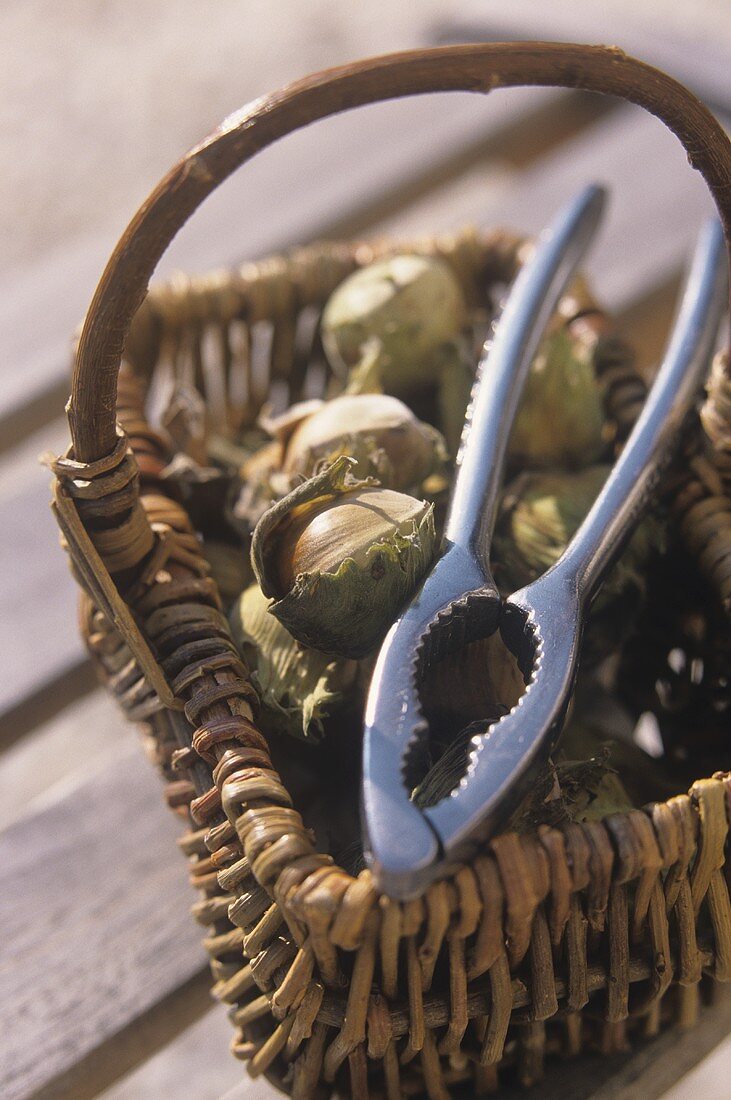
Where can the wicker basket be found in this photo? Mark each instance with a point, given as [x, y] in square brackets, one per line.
[547, 942]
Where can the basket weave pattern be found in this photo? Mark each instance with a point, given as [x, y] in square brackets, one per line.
[534, 926]
[545, 942]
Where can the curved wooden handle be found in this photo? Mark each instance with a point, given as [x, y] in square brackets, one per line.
[473, 68]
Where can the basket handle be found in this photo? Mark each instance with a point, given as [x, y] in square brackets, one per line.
[474, 68]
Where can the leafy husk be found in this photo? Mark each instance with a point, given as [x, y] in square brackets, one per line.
[560, 419]
[327, 485]
[348, 610]
[377, 430]
[542, 512]
[572, 790]
[409, 304]
[299, 687]
[566, 790]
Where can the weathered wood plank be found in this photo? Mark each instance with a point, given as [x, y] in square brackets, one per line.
[96, 929]
[82, 738]
[146, 861]
[710, 1076]
[196, 1065]
[40, 641]
[656, 1067]
[96, 959]
[142, 1038]
[249, 1090]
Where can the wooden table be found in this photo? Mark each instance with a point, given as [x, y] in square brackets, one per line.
[102, 994]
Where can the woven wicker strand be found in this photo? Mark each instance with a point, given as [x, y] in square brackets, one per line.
[341, 985]
[540, 919]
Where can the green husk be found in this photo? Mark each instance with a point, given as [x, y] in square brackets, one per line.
[348, 610]
[569, 790]
[299, 687]
[381, 433]
[456, 379]
[560, 419]
[410, 305]
[542, 513]
[325, 486]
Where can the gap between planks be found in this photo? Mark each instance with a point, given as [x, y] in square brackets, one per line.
[94, 907]
[183, 1024]
[195, 1064]
[643, 241]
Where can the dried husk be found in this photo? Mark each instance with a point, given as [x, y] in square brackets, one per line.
[185, 419]
[235, 452]
[568, 790]
[204, 490]
[344, 604]
[410, 305]
[644, 778]
[573, 790]
[257, 487]
[299, 687]
[263, 462]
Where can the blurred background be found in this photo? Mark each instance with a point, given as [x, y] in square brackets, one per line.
[98, 99]
[100, 96]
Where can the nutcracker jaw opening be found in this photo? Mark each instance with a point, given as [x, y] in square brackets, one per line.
[458, 605]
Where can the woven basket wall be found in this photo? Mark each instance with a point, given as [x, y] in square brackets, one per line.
[553, 942]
